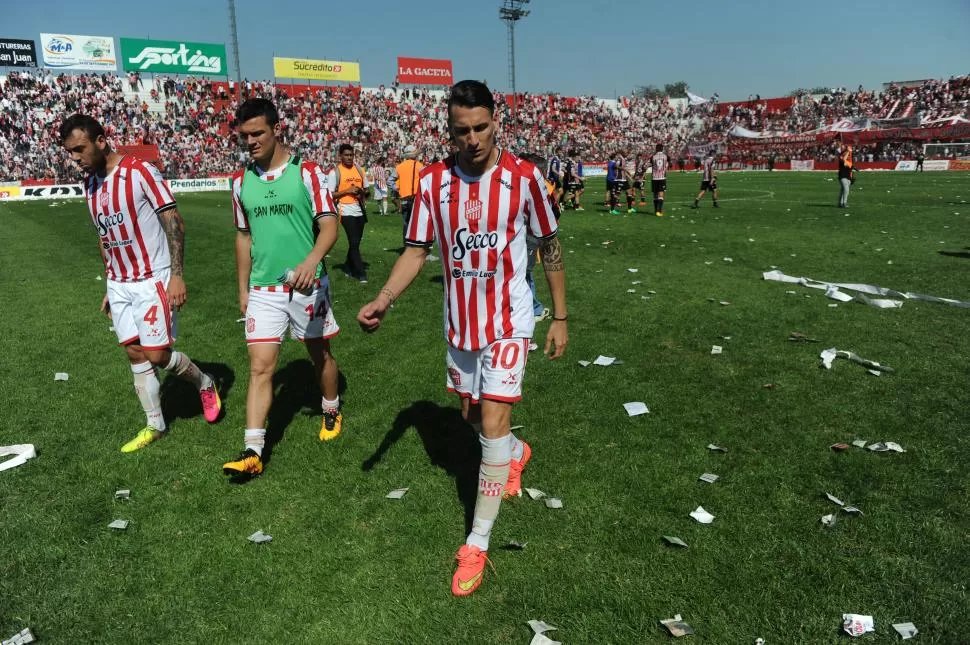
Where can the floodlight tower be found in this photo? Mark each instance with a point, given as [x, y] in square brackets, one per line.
[511, 12]
[234, 40]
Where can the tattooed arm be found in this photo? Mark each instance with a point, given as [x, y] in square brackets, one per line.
[558, 337]
[174, 228]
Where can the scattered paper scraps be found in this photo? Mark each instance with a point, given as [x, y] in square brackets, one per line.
[651, 292]
[541, 627]
[542, 639]
[397, 493]
[852, 510]
[515, 546]
[708, 263]
[830, 354]
[631, 290]
[553, 502]
[828, 521]
[677, 627]
[61, 376]
[124, 494]
[716, 349]
[632, 270]
[769, 386]
[636, 282]
[98, 278]
[886, 447]
[121, 525]
[702, 516]
[518, 427]
[799, 337]
[240, 320]
[857, 624]
[834, 499]
[584, 363]
[21, 453]
[859, 443]
[710, 478]
[906, 630]
[635, 408]
[23, 637]
[535, 493]
[895, 298]
[839, 447]
[724, 337]
[259, 537]
[533, 346]
[714, 448]
[728, 259]
[834, 305]
[673, 540]
[604, 361]
[724, 303]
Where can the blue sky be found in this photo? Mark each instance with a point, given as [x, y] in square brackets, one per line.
[735, 48]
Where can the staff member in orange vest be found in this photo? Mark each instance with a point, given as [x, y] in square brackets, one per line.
[846, 174]
[404, 180]
[349, 185]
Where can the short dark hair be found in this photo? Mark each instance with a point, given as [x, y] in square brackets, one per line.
[83, 122]
[471, 94]
[344, 147]
[252, 108]
[660, 147]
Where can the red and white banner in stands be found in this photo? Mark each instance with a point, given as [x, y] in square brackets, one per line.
[803, 164]
[423, 71]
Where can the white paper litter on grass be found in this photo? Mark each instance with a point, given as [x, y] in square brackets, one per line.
[714, 448]
[702, 516]
[535, 493]
[724, 303]
[835, 294]
[259, 537]
[631, 270]
[121, 525]
[636, 282]
[97, 277]
[124, 493]
[541, 627]
[865, 289]
[886, 447]
[519, 427]
[23, 637]
[830, 354]
[906, 630]
[651, 292]
[859, 443]
[676, 626]
[397, 493]
[542, 639]
[635, 408]
[584, 363]
[553, 502]
[728, 260]
[21, 451]
[716, 349]
[240, 320]
[61, 376]
[828, 520]
[710, 478]
[673, 540]
[604, 360]
[852, 510]
[631, 290]
[835, 500]
[857, 624]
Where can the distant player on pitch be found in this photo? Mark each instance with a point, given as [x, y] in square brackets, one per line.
[708, 180]
[659, 164]
[479, 205]
[142, 239]
[286, 223]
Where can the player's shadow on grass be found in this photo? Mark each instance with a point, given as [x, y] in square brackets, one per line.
[450, 443]
[295, 389]
[956, 254]
[180, 400]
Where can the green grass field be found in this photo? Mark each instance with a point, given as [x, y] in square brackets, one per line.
[348, 566]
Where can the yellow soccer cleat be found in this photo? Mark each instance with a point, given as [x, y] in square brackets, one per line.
[330, 428]
[144, 437]
[247, 463]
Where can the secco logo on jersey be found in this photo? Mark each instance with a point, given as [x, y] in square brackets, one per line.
[106, 221]
[465, 242]
[473, 210]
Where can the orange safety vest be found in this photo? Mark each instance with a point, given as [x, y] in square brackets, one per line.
[346, 179]
[847, 157]
[407, 177]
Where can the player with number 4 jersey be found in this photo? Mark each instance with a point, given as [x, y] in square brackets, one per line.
[479, 205]
[142, 238]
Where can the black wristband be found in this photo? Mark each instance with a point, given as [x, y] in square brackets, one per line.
[563, 319]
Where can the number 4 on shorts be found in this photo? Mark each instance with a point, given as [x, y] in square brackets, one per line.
[151, 316]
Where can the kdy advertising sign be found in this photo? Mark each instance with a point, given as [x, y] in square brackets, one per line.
[173, 57]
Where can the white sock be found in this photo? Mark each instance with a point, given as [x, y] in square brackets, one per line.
[492, 475]
[256, 439]
[517, 449]
[330, 405]
[183, 367]
[148, 390]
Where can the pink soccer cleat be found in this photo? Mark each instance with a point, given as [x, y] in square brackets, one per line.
[211, 403]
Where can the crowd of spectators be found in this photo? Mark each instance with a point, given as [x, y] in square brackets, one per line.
[189, 120]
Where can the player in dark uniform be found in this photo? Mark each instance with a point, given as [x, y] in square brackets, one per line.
[659, 163]
[639, 170]
[572, 182]
[920, 157]
[708, 180]
[610, 177]
[554, 173]
[621, 184]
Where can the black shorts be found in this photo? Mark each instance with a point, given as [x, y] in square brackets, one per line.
[621, 184]
[638, 184]
[658, 185]
[609, 185]
[574, 186]
[709, 185]
[556, 182]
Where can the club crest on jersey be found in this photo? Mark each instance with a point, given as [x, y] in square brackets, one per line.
[104, 200]
[473, 210]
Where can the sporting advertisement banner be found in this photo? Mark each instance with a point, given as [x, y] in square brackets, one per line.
[15, 52]
[424, 71]
[173, 57]
[316, 70]
[70, 51]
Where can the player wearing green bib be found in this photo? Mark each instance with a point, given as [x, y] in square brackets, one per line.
[286, 223]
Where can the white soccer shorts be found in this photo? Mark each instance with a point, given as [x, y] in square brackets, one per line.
[272, 309]
[494, 373]
[140, 312]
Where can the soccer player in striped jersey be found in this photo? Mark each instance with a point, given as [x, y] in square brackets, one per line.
[286, 222]
[658, 184]
[142, 238]
[379, 176]
[708, 180]
[639, 171]
[479, 205]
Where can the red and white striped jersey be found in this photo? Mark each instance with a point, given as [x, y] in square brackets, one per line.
[314, 179]
[379, 174]
[481, 225]
[125, 206]
[659, 162]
